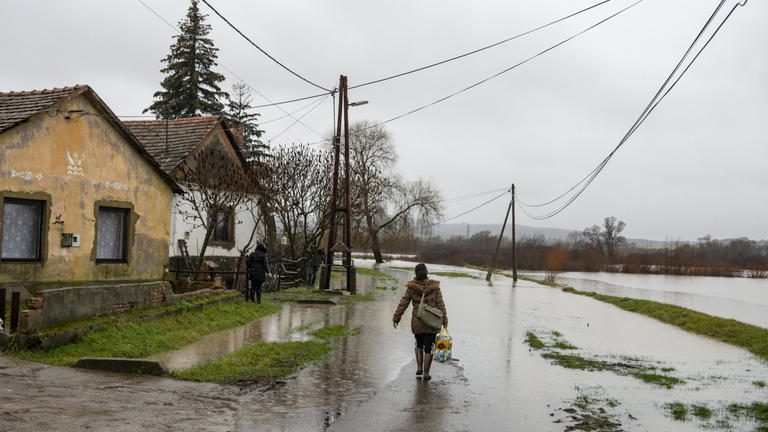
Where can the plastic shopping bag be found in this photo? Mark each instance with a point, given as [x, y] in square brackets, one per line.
[443, 346]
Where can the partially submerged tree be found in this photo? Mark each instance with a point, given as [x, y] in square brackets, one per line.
[300, 182]
[191, 86]
[381, 200]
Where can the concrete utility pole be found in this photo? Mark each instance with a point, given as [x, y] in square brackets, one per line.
[514, 237]
[345, 246]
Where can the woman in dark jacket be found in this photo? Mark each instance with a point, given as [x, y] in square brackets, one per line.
[425, 336]
[257, 265]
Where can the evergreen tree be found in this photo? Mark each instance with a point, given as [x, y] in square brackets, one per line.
[190, 87]
[239, 108]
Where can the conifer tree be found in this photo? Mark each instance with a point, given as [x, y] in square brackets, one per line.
[239, 110]
[190, 87]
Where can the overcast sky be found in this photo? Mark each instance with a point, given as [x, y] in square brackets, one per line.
[697, 166]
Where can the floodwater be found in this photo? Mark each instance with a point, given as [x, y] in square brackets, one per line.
[738, 298]
[496, 383]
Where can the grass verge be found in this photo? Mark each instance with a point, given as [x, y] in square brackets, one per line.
[752, 338]
[257, 361]
[139, 339]
[266, 359]
[455, 275]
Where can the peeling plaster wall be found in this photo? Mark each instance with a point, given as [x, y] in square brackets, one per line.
[78, 162]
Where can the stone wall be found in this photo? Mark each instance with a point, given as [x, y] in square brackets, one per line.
[49, 308]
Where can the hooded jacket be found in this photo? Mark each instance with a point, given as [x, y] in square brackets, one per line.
[432, 296]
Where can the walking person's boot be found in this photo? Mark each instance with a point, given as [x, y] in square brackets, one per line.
[419, 362]
[427, 366]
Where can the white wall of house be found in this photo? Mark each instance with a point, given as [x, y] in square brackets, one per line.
[185, 228]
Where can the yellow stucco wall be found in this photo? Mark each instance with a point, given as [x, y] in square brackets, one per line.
[75, 164]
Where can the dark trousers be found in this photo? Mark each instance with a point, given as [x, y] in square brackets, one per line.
[312, 276]
[425, 342]
[253, 293]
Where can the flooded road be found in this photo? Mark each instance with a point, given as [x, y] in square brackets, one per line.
[498, 382]
[738, 298]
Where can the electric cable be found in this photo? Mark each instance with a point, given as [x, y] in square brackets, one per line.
[317, 104]
[272, 120]
[470, 210]
[475, 51]
[475, 195]
[483, 81]
[262, 50]
[271, 103]
[658, 97]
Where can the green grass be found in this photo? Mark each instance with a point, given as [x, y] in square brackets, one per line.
[410, 269]
[563, 345]
[334, 331]
[139, 339]
[760, 384]
[752, 338]
[533, 341]
[702, 412]
[677, 410]
[378, 274]
[257, 361]
[665, 381]
[538, 281]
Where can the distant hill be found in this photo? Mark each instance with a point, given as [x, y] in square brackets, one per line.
[522, 231]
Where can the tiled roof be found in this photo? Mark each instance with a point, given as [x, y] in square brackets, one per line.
[170, 141]
[18, 107]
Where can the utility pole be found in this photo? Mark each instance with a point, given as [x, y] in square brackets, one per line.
[514, 237]
[345, 246]
[501, 236]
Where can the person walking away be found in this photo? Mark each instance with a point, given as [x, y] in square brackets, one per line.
[314, 265]
[428, 289]
[257, 266]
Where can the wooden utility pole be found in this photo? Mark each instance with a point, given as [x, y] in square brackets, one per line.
[501, 236]
[336, 206]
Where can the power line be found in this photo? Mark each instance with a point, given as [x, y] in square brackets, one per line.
[317, 104]
[262, 50]
[274, 104]
[475, 195]
[662, 92]
[475, 51]
[288, 115]
[483, 81]
[262, 95]
[472, 209]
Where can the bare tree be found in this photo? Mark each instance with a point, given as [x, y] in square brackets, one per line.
[612, 235]
[606, 239]
[300, 185]
[214, 182]
[380, 198]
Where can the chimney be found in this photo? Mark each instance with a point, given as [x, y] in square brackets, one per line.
[238, 132]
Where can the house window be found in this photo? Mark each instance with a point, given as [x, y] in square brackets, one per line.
[223, 228]
[22, 230]
[112, 234]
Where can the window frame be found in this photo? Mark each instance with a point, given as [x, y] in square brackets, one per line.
[230, 225]
[42, 232]
[126, 212]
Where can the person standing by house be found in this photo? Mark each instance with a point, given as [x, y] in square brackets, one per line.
[421, 287]
[314, 265]
[257, 266]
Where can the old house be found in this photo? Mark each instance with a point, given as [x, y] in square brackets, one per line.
[81, 199]
[84, 209]
[178, 145]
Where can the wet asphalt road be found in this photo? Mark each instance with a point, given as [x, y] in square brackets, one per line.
[368, 383]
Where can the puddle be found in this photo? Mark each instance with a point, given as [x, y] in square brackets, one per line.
[292, 323]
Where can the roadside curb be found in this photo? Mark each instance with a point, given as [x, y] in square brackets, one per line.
[123, 365]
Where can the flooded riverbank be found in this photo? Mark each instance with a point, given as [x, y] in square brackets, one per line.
[737, 298]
